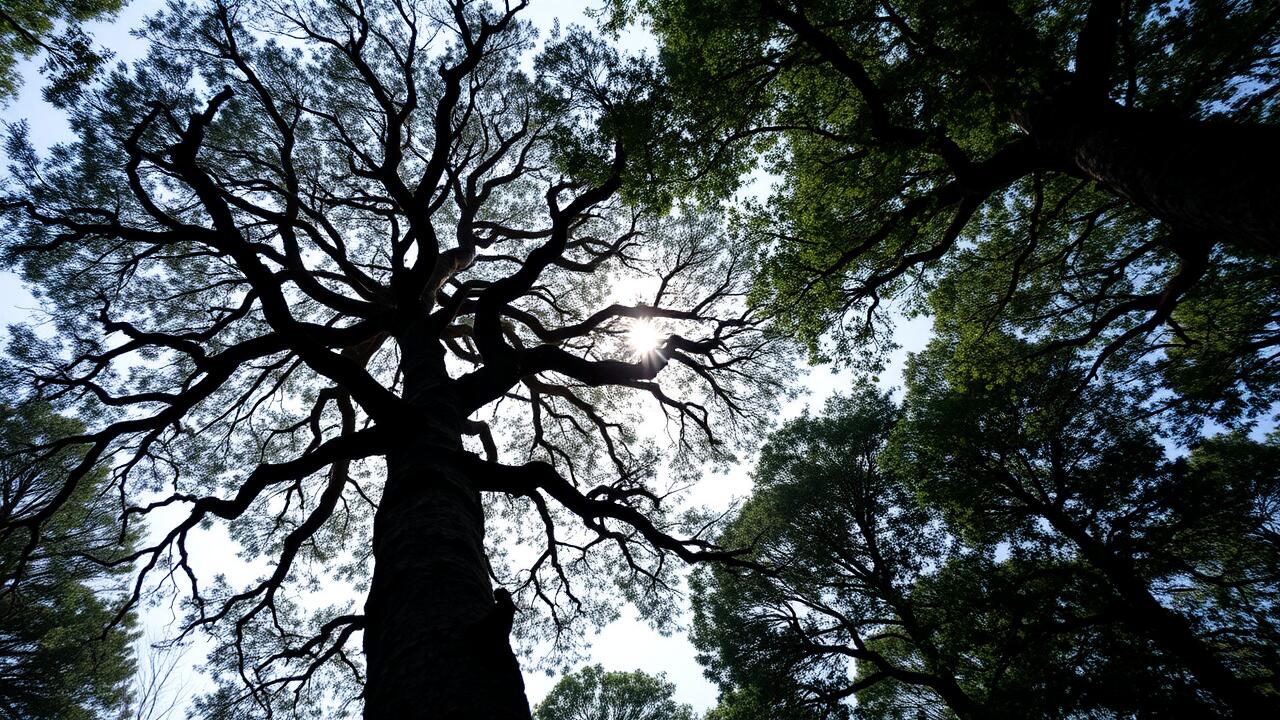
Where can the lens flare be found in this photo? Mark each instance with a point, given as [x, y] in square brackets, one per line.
[644, 337]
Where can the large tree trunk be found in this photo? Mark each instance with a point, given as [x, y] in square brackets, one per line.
[436, 640]
[1210, 179]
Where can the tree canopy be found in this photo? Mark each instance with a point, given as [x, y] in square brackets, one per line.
[61, 655]
[436, 319]
[591, 693]
[358, 284]
[1000, 550]
[1082, 173]
[26, 29]
[1036, 178]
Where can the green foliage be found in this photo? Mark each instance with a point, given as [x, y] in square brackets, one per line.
[1043, 465]
[638, 108]
[989, 549]
[593, 694]
[27, 27]
[1229, 371]
[63, 652]
[914, 173]
[746, 627]
[749, 704]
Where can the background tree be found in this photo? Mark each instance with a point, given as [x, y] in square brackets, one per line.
[593, 694]
[351, 281]
[1081, 169]
[27, 27]
[58, 660]
[844, 544]
[998, 551]
[1184, 546]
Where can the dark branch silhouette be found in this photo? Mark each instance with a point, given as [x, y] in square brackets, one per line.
[361, 299]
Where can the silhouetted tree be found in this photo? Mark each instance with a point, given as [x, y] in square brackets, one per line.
[1080, 167]
[352, 281]
[593, 694]
[1185, 548]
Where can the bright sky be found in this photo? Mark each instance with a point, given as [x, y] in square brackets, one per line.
[625, 645]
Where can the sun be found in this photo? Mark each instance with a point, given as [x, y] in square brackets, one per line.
[644, 336]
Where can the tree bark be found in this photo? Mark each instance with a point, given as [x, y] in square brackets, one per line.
[436, 638]
[1204, 178]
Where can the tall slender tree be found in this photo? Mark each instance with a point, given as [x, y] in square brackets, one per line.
[357, 282]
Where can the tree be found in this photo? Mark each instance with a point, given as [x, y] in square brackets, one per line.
[1031, 171]
[356, 284]
[747, 704]
[26, 28]
[1081, 167]
[1009, 551]
[59, 659]
[593, 694]
[1183, 545]
[840, 541]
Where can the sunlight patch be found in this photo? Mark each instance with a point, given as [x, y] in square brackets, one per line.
[644, 337]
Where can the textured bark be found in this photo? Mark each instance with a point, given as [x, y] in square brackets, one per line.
[1204, 178]
[436, 641]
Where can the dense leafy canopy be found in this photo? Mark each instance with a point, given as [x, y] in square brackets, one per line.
[64, 652]
[591, 693]
[1078, 194]
[364, 286]
[1004, 549]
[1077, 173]
[27, 27]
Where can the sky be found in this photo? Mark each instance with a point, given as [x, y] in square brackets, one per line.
[625, 645]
